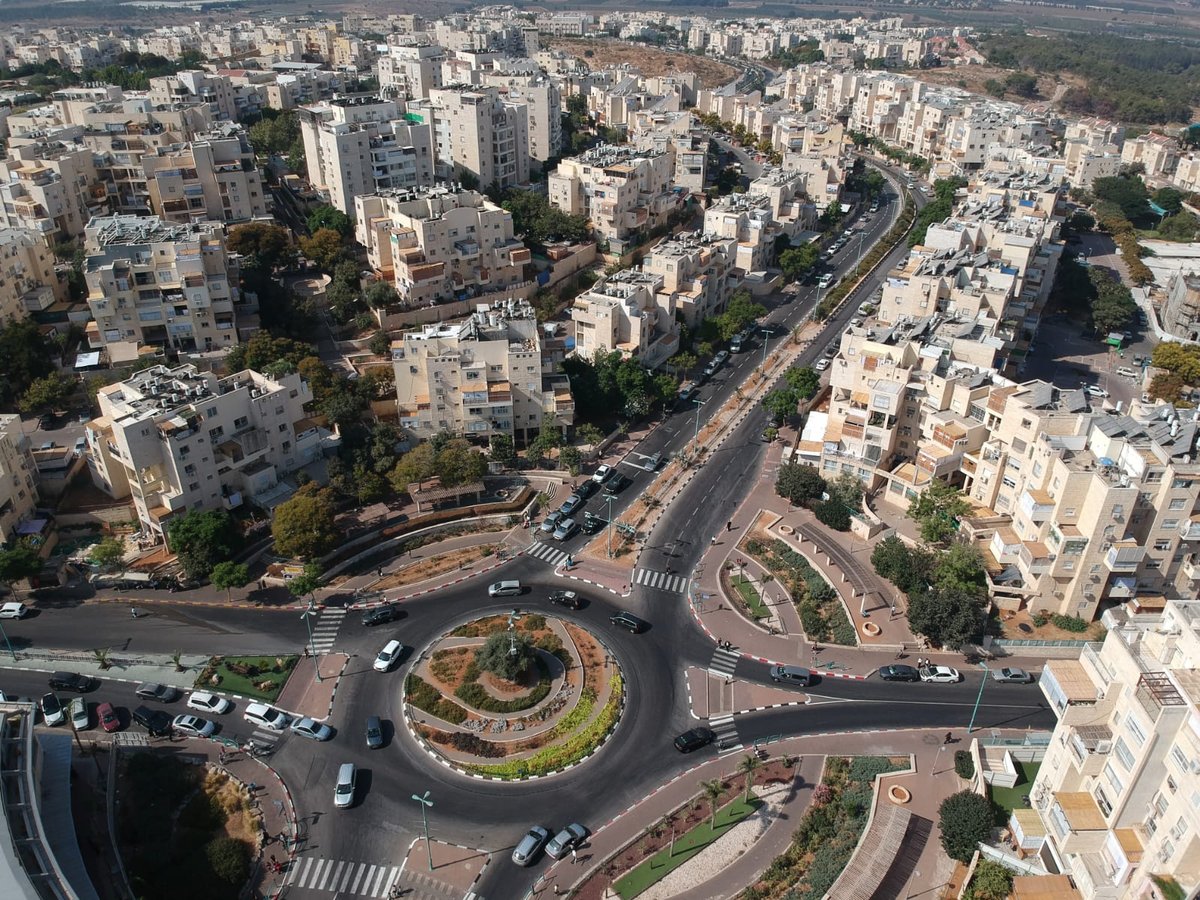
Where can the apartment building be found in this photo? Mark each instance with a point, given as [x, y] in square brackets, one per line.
[776, 205]
[440, 244]
[50, 188]
[1156, 153]
[1116, 794]
[628, 312]
[18, 476]
[28, 282]
[700, 272]
[357, 146]
[479, 131]
[214, 178]
[410, 72]
[624, 192]
[493, 373]
[671, 133]
[1180, 314]
[197, 86]
[180, 439]
[158, 283]
[542, 100]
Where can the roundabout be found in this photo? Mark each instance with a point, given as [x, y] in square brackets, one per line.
[513, 697]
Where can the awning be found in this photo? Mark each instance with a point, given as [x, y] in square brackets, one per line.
[87, 360]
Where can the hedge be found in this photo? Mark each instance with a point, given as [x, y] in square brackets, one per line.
[964, 765]
[425, 696]
[473, 693]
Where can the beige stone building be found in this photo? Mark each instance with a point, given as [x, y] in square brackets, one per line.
[212, 179]
[28, 282]
[18, 476]
[700, 272]
[628, 312]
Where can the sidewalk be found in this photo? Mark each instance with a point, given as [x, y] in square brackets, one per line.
[932, 781]
[304, 695]
[148, 667]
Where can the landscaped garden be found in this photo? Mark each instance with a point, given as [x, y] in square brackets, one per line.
[514, 699]
[751, 600]
[1006, 799]
[828, 833]
[261, 677]
[185, 831]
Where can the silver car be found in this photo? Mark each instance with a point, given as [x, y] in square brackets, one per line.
[1011, 675]
[530, 845]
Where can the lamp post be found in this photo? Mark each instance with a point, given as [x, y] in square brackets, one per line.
[609, 501]
[979, 697]
[311, 611]
[696, 428]
[426, 804]
[8, 643]
[766, 340]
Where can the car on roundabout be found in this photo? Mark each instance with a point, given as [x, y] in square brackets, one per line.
[566, 840]
[381, 615]
[530, 845]
[569, 599]
[265, 716]
[694, 739]
[628, 621]
[312, 729]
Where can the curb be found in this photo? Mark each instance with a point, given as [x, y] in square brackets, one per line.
[559, 573]
[336, 683]
[438, 587]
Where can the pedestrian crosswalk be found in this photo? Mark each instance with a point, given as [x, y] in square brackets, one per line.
[723, 662]
[726, 731]
[547, 553]
[325, 629]
[341, 876]
[662, 581]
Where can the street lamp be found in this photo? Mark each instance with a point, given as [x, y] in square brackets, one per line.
[426, 804]
[8, 643]
[979, 698]
[311, 611]
[609, 498]
[696, 429]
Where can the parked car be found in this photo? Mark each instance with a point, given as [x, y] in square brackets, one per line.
[80, 446]
[343, 791]
[551, 521]
[209, 703]
[1009, 675]
[568, 599]
[505, 589]
[14, 609]
[603, 473]
[108, 717]
[163, 693]
[563, 842]
[822, 364]
[566, 530]
[265, 716]
[616, 484]
[694, 739]
[586, 489]
[686, 393]
[312, 729]
[388, 656]
[155, 721]
[71, 681]
[940, 675]
[381, 615]
[653, 462]
[77, 709]
[530, 845]
[193, 726]
[571, 504]
[628, 621]
[899, 673]
[52, 710]
[593, 524]
[1095, 391]
[374, 733]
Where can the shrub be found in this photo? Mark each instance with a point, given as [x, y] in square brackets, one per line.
[822, 793]
[965, 819]
[964, 765]
[1069, 623]
[475, 745]
[991, 881]
[229, 858]
[866, 768]
[833, 514]
[425, 696]
[473, 693]
[506, 656]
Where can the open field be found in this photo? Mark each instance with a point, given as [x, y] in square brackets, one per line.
[647, 60]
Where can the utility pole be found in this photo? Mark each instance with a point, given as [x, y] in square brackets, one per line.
[426, 804]
[7, 642]
[696, 428]
[979, 698]
[609, 500]
[311, 611]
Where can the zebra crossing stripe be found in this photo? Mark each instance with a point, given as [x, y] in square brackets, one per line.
[362, 870]
[661, 581]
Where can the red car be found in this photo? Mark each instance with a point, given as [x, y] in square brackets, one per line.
[108, 717]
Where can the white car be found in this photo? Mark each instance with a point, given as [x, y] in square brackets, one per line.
[1095, 391]
[52, 710]
[266, 717]
[312, 729]
[602, 474]
[209, 703]
[940, 675]
[14, 609]
[822, 364]
[193, 726]
[81, 720]
[388, 656]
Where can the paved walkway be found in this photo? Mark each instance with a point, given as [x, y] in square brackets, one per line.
[147, 667]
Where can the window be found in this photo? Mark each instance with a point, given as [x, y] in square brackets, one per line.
[1135, 731]
[1180, 758]
[1123, 754]
[1177, 504]
[1162, 544]
[1114, 780]
[1170, 523]
[283, 427]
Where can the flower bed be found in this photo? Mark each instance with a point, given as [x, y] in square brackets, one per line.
[476, 695]
[260, 677]
[425, 696]
[821, 611]
[749, 597]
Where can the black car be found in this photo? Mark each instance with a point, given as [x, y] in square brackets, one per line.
[593, 524]
[616, 484]
[629, 621]
[569, 599]
[899, 673]
[694, 739]
[586, 489]
[374, 732]
[155, 721]
[381, 615]
[163, 693]
[71, 681]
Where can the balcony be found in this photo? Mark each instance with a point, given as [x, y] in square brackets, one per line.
[1189, 529]
[1090, 745]
[1124, 556]
[1037, 505]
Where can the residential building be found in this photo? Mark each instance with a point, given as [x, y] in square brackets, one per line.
[1180, 314]
[28, 281]
[628, 312]
[542, 100]
[1115, 794]
[625, 193]
[18, 476]
[493, 373]
[194, 85]
[476, 130]
[1156, 153]
[51, 189]
[699, 271]
[440, 244]
[181, 439]
[410, 72]
[157, 283]
[214, 178]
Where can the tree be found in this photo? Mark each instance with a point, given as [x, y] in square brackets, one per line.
[324, 247]
[799, 483]
[747, 766]
[548, 438]
[540, 222]
[833, 514]
[805, 382]
[18, 562]
[683, 362]
[381, 295]
[991, 881]
[960, 567]
[1021, 84]
[506, 655]
[1169, 199]
[501, 449]
[229, 859]
[380, 343]
[571, 459]
[263, 350]
[262, 246]
[108, 554]
[964, 819]
[780, 403]
[588, 434]
[740, 311]
[330, 217]
[1127, 192]
[949, 616]
[937, 510]
[459, 463]
[1113, 306]
[47, 393]
[201, 539]
[797, 261]
[846, 489]
[304, 526]
[228, 575]
[413, 467]
[307, 583]
[891, 559]
[713, 790]
[27, 356]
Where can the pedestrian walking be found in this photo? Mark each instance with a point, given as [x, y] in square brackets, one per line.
[714, 540]
[262, 584]
[949, 738]
[729, 525]
[381, 571]
[574, 856]
[133, 612]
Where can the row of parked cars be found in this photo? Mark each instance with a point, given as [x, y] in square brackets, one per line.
[538, 839]
[563, 523]
[948, 675]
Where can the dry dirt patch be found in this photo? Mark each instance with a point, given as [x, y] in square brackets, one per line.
[436, 565]
[647, 60]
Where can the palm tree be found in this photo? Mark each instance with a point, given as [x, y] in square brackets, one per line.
[713, 791]
[176, 658]
[101, 654]
[748, 765]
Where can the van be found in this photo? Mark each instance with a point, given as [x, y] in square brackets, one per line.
[1127, 372]
[343, 792]
[505, 589]
[791, 675]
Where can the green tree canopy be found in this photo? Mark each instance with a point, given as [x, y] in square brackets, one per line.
[498, 657]
[1113, 306]
[950, 616]
[50, 392]
[540, 222]
[740, 311]
[304, 526]
[833, 514]
[964, 819]
[18, 562]
[27, 357]
[804, 381]
[937, 510]
[202, 538]
[228, 575]
[326, 216]
[263, 350]
[262, 246]
[325, 248]
[108, 554]
[1128, 192]
[276, 134]
[797, 261]
[799, 483]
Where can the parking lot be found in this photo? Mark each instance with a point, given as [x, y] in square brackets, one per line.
[1063, 356]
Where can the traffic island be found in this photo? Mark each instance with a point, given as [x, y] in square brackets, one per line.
[513, 697]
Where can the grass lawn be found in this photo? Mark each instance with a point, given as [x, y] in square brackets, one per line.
[1005, 800]
[758, 609]
[244, 679]
[651, 871]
